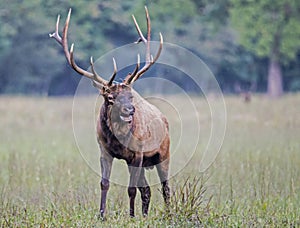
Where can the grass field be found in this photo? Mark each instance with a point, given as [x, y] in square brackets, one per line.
[254, 182]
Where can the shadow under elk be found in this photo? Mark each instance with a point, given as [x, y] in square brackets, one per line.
[128, 127]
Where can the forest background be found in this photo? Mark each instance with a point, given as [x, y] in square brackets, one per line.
[248, 45]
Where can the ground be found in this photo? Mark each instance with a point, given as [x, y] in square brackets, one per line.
[45, 182]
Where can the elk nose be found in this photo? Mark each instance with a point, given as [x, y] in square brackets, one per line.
[128, 109]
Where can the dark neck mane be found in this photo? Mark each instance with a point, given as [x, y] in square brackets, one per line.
[114, 147]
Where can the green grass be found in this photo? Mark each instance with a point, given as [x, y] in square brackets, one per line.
[254, 182]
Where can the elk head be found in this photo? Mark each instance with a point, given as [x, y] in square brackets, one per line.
[119, 106]
[117, 94]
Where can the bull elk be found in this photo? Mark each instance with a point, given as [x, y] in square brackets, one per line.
[128, 127]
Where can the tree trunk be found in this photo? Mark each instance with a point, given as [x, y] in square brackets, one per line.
[275, 87]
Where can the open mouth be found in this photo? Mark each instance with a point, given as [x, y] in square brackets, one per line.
[126, 118]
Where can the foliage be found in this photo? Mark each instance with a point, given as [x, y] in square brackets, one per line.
[31, 63]
[269, 29]
[260, 22]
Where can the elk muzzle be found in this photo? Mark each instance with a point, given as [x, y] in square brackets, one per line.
[127, 113]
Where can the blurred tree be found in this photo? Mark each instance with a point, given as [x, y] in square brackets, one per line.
[27, 64]
[217, 45]
[269, 29]
[202, 27]
[292, 77]
[31, 63]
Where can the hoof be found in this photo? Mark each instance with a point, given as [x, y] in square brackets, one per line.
[101, 217]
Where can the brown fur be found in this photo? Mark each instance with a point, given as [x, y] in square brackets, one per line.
[142, 144]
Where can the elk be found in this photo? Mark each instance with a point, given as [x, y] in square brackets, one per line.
[246, 91]
[128, 127]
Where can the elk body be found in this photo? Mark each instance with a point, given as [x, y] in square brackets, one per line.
[128, 127]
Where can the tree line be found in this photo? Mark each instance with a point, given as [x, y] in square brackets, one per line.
[248, 45]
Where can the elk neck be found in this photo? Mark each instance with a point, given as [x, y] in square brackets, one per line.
[108, 135]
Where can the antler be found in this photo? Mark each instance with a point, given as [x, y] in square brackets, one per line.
[149, 58]
[98, 81]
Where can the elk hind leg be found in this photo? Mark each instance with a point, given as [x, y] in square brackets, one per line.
[163, 173]
[131, 194]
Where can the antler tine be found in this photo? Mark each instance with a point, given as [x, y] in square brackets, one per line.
[149, 58]
[63, 41]
[150, 62]
[114, 73]
[96, 77]
[148, 55]
[137, 67]
[65, 37]
[56, 35]
[93, 76]
[159, 49]
[130, 76]
[141, 38]
[97, 84]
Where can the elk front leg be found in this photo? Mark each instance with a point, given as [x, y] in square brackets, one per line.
[106, 164]
[135, 171]
[145, 192]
